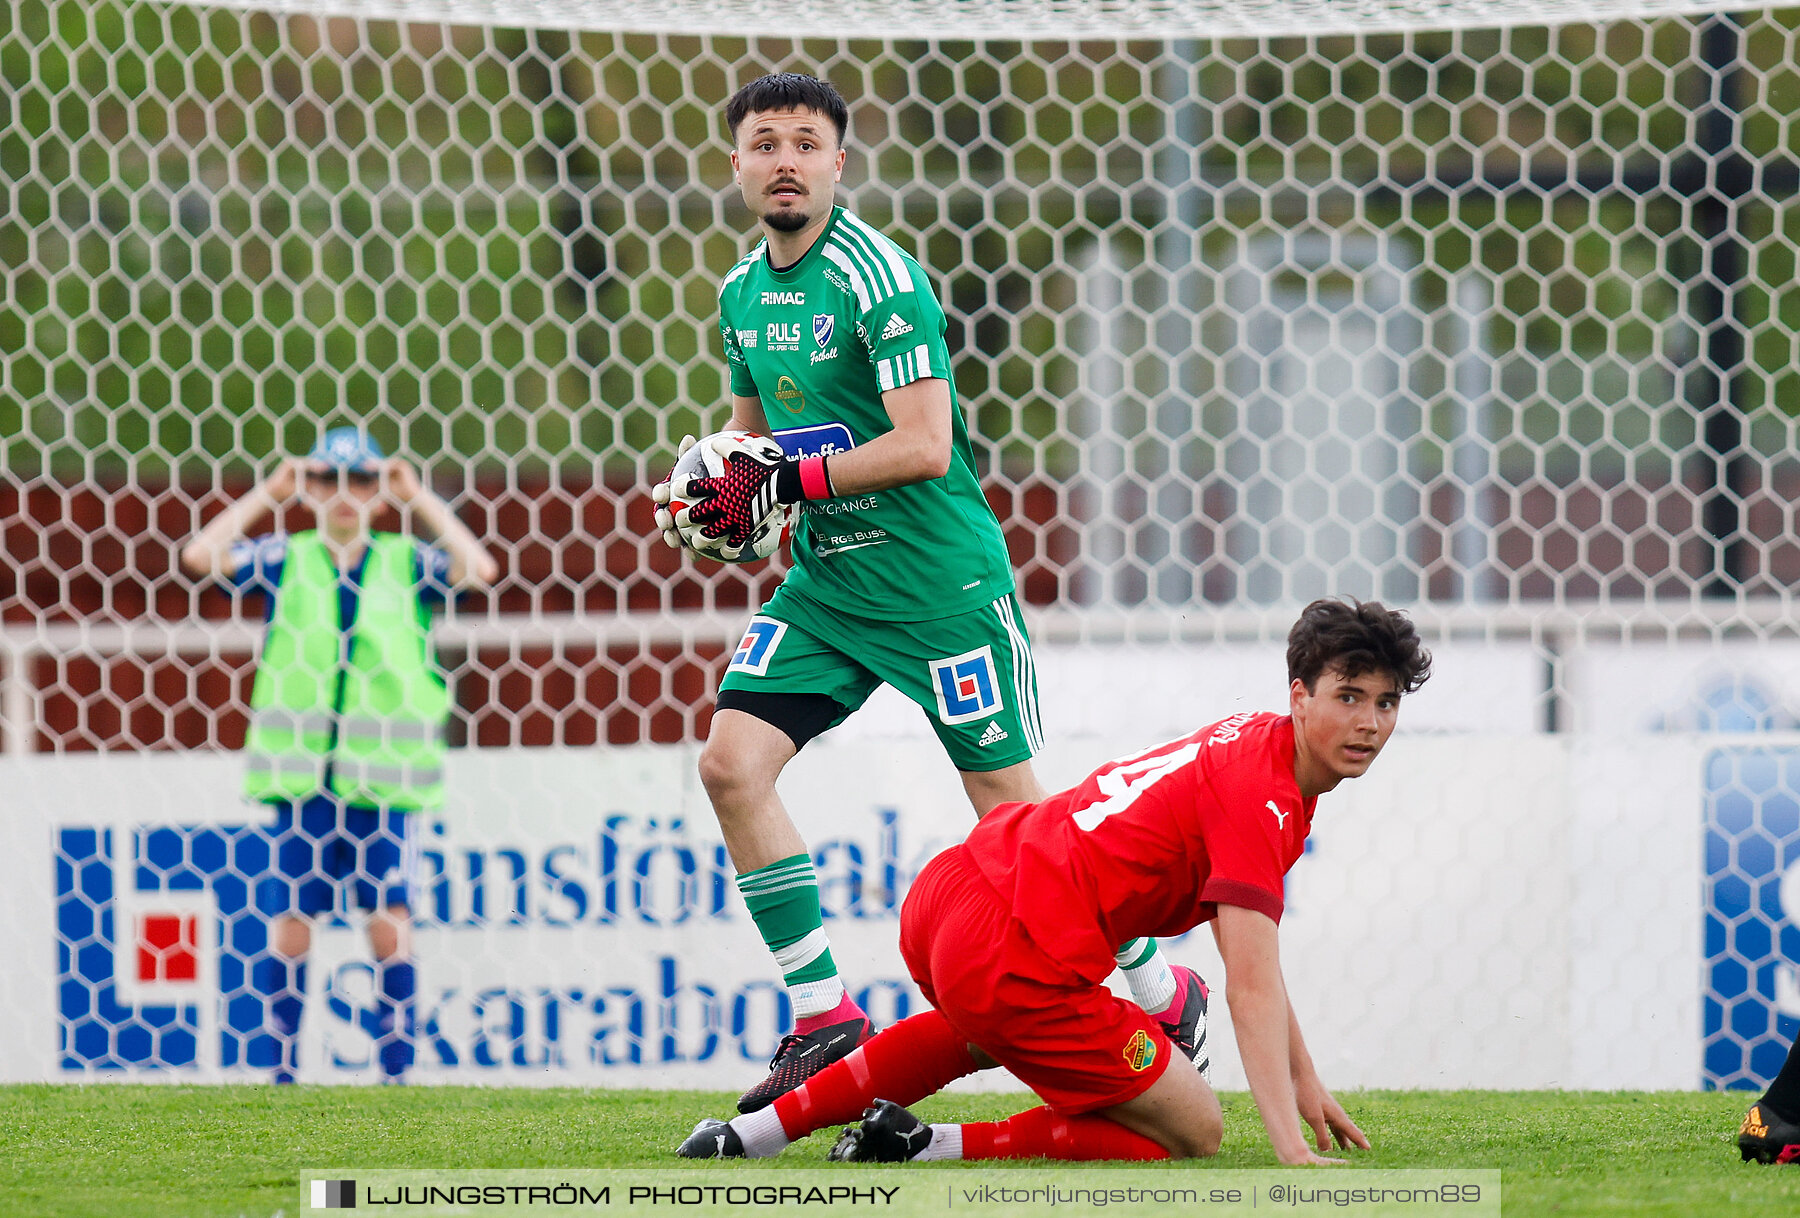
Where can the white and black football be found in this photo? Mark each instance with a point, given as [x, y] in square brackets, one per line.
[710, 458]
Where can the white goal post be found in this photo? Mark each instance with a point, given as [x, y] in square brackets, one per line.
[995, 20]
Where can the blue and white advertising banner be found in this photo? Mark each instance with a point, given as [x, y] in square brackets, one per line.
[576, 919]
[1741, 699]
[1752, 911]
[1478, 911]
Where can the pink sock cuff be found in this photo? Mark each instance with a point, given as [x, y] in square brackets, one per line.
[1181, 972]
[843, 1012]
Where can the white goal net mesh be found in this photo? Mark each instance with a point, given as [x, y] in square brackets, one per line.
[1487, 311]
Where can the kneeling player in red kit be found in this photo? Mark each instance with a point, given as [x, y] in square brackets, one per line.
[1011, 936]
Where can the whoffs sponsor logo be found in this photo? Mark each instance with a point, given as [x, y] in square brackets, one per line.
[819, 440]
[596, 954]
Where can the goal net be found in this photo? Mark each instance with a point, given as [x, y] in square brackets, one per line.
[1488, 311]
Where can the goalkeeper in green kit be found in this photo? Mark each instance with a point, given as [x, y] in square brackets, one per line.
[900, 575]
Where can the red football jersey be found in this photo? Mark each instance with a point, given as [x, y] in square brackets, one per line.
[1150, 844]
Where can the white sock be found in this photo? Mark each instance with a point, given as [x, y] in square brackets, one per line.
[946, 1143]
[1148, 974]
[816, 997]
[761, 1133]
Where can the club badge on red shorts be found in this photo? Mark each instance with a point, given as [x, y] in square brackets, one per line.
[1140, 1051]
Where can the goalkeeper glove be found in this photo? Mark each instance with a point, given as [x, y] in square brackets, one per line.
[665, 519]
[740, 499]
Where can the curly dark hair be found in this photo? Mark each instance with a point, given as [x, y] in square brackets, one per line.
[788, 91]
[1356, 637]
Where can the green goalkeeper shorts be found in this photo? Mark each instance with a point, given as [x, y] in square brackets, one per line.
[971, 673]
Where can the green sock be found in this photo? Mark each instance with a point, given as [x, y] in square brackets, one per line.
[783, 899]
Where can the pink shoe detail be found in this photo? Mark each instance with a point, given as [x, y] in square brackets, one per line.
[843, 1012]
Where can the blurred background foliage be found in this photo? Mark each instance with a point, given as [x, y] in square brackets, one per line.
[224, 230]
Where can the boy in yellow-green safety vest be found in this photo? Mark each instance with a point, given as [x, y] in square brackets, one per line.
[347, 716]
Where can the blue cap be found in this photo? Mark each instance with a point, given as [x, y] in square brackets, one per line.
[348, 449]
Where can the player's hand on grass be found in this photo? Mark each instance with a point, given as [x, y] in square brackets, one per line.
[1307, 1158]
[1348, 1134]
[1330, 1124]
[1291, 1149]
[665, 519]
[1335, 1128]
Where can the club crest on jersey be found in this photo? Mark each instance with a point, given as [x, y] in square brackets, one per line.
[823, 325]
[966, 687]
[1140, 1051]
[753, 654]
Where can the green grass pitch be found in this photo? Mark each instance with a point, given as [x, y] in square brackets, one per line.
[238, 1150]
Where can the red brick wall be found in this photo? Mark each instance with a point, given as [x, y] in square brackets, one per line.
[107, 555]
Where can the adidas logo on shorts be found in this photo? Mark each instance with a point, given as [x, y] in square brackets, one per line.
[993, 735]
[895, 327]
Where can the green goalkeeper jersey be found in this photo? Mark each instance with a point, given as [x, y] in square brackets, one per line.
[818, 343]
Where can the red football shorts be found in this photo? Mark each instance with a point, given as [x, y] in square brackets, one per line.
[1074, 1042]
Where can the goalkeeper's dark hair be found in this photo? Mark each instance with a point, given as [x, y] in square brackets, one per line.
[788, 91]
[1355, 637]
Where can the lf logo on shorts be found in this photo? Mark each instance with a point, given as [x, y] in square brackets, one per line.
[760, 640]
[1140, 1051]
[965, 686]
